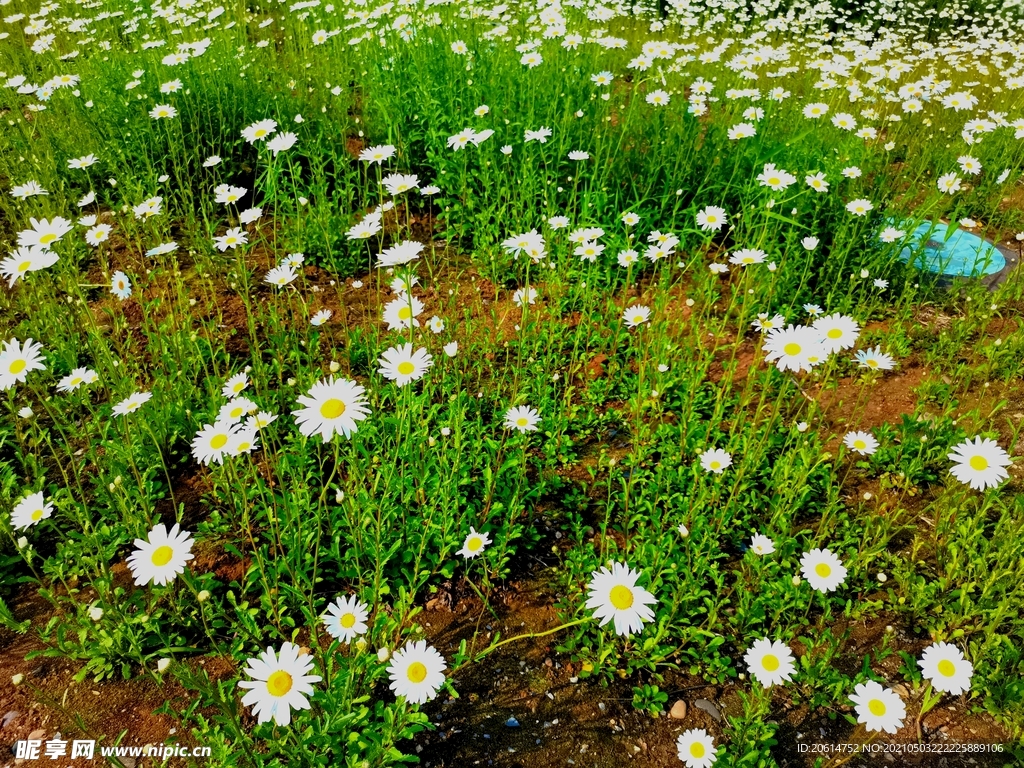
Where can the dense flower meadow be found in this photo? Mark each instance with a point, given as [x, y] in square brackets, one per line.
[314, 311]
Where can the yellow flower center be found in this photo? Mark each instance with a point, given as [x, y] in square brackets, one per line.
[876, 707]
[17, 366]
[244, 446]
[348, 620]
[218, 442]
[715, 464]
[332, 409]
[38, 515]
[405, 313]
[279, 683]
[823, 570]
[405, 368]
[638, 319]
[236, 412]
[872, 363]
[162, 555]
[835, 333]
[946, 668]
[697, 749]
[522, 421]
[474, 543]
[860, 445]
[260, 133]
[979, 463]
[23, 267]
[792, 348]
[49, 237]
[770, 662]
[621, 597]
[416, 672]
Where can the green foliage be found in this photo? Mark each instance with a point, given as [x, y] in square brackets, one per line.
[613, 470]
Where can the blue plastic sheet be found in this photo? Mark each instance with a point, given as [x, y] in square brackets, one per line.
[957, 253]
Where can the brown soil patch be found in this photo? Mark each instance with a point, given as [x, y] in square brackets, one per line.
[48, 701]
[851, 404]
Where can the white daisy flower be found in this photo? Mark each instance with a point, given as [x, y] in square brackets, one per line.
[880, 709]
[234, 385]
[474, 544]
[77, 378]
[120, 285]
[874, 359]
[417, 672]
[863, 443]
[761, 544]
[792, 348]
[523, 418]
[636, 315]
[279, 685]
[162, 557]
[696, 748]
[945, 667]
[403, 366]
[615, 596]
[30, 510]
[132, 403]
[715, 460]
[211, 442]
[17, 360]
[346, 618]
[770, 662]
[236, 409]
[822, 569]
[980, 464]
[401, 312]
[332, 406]
[244, 440]
[838, 332]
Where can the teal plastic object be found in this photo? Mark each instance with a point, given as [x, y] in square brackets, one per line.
[956, 253]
